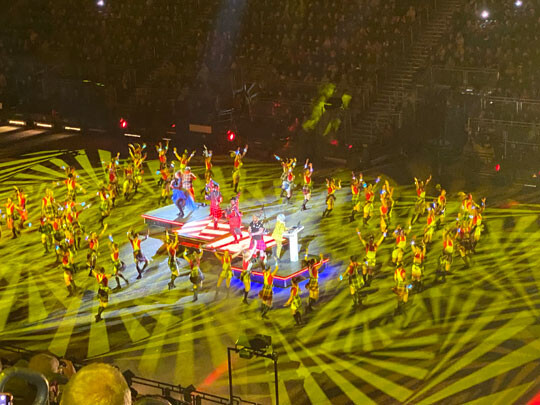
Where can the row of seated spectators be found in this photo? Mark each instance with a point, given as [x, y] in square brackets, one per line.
[26, 379]
[501, 35]
[124, 44]
[116, 43]
[289, 47]
[345, 43]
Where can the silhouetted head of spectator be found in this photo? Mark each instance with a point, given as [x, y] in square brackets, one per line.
[45, 364]
[97, 384]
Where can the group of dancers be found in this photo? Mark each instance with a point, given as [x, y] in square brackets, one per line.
[459, 238]
[63, 234]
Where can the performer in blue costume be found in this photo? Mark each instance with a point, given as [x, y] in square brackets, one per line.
[179, 196]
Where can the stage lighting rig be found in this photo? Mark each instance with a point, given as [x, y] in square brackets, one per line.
[249, 347]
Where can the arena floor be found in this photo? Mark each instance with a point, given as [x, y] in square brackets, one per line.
[473, 340]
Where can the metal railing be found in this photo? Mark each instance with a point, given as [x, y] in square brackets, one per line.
[515, 145]
[516, 132]
[477, 78]
[513, 141]
[187, 394]
[517, 107]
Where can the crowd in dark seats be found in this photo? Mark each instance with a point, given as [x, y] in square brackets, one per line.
[117, 44]
[501, 35]
[155, 52]
[297, 43]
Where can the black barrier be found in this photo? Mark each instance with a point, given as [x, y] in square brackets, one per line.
[175, 394]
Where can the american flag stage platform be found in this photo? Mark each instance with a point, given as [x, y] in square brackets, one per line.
[196, 229]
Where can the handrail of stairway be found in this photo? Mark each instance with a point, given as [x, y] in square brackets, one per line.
[464, 69]
[504, 99]
[507, 123]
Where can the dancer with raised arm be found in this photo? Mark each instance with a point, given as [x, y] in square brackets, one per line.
[331, 188]
[11, 217]
[235, 219]
[266, 294]
[245, 276]
[308, 183]
[238, 156]
[313, 284]
[357, 183]
[355, 282]
[208, 174]
[226, 270]
[420, 205]
[103, 290]
[138, 256]
[401, 289]
[172, 248]
[295, 302]
[20, 197]
[196, 276]
[184, 159]
[49, 205]
[118, 265]
[93, 249]
[162, 154]
[417, 272]
[401, 244]
[370, 261]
